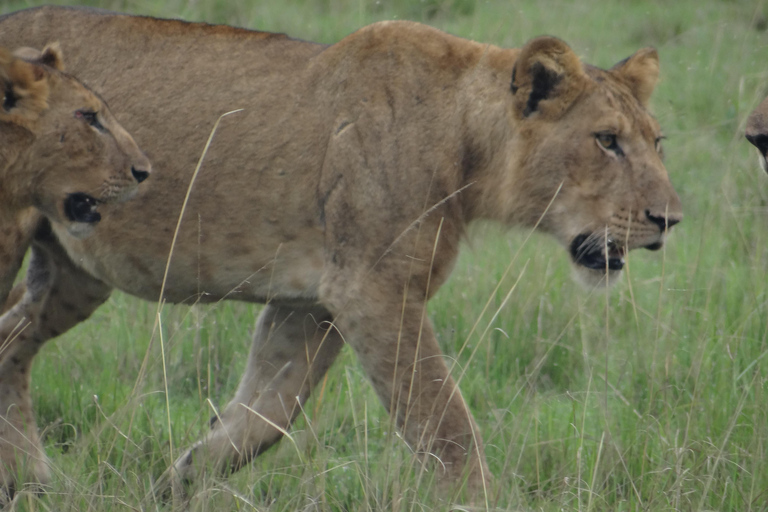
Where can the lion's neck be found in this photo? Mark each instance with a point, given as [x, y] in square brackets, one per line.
[491, 152]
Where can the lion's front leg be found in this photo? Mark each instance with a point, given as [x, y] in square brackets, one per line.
[22, 458]
[55, 296]
[399, 352]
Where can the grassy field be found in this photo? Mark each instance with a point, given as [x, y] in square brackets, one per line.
[653, 396]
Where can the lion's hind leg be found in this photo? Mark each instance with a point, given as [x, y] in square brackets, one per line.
[292, 350]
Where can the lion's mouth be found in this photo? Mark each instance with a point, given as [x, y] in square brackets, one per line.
[81, 207]
[597, 254]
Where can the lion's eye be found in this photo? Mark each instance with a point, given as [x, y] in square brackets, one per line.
[607, 141]
[91, 118]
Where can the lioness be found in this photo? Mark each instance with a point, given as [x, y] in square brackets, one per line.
[757, 132]
[62, 154]
[339, 195]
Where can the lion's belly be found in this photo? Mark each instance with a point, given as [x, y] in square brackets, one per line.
[245, 257]
[294, 275]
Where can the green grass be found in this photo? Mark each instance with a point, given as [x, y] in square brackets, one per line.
[653, 396]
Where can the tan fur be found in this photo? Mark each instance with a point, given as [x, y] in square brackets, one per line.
[47, 153]
[340, 193]
[640, 72]
[757, 132]
[27, 84]
[50, 56]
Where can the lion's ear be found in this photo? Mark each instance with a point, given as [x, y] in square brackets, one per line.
[23, 87]
[640, 72]
[547, 77]
[50, 56]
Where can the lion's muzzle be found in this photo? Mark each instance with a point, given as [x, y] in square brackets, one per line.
[139, 174]
[760, 141]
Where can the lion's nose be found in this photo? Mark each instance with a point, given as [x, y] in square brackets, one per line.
[664, 222]
[139, 175]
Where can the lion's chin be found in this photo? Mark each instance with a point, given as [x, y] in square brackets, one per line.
[593, 278]
[80, 230]
[597, 263]
[763, 162]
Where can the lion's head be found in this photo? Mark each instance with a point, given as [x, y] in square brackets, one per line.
[757, 132]
[63, 151]
[592, 158]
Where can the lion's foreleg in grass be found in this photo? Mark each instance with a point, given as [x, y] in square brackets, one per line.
[54, 297]
[400, 354]
[21, 454]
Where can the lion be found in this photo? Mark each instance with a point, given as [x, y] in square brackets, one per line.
[338, 192]
[63, 156]
[757, 132]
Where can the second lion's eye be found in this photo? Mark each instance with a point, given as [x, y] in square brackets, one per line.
[90, 117]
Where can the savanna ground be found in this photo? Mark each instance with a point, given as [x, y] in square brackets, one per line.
[653, 396]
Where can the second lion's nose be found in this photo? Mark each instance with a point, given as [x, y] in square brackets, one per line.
[139, 175]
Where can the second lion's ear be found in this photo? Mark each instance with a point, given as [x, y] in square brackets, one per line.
[50, 56]
[547, 78]
[25, 88]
